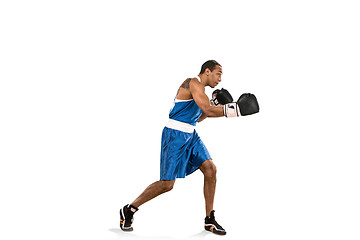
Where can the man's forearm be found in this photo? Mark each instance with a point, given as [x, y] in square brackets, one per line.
[214, 111]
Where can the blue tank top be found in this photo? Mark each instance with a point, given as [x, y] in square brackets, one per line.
[186, 111]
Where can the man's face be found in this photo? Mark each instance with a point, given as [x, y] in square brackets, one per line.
[215, 76]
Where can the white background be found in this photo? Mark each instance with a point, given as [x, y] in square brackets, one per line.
[86, 87]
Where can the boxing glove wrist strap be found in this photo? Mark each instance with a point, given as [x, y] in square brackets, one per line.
[231, 110]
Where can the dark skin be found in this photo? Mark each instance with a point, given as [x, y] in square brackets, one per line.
[192, 88]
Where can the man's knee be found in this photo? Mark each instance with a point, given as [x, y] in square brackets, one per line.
[212, 170]
[208, 168]
[167, 185]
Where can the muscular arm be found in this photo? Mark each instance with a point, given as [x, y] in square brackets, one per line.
[198, 94]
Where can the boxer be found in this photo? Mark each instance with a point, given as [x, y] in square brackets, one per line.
[182, 150]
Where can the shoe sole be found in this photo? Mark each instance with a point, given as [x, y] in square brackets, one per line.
[211, 228]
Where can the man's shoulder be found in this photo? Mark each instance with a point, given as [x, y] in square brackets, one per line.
[190, 82]
[195, 83]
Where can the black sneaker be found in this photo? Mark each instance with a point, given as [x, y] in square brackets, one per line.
[127, 217]
[212, 226]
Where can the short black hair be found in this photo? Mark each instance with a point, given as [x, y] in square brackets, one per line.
[211, 64]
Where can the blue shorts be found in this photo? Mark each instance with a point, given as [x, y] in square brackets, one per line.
[182, 153]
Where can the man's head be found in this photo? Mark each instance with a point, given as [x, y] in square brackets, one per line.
[212, 71]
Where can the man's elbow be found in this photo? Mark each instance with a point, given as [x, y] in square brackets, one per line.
[202, 117]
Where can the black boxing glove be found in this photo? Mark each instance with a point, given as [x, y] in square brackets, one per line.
[248, 104]
[221, 97]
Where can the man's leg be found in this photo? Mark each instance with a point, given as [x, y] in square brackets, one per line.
[208, 168]
[153, 191]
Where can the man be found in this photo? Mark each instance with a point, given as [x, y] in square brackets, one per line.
[182, 151]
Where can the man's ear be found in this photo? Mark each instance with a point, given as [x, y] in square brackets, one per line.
[207, 71]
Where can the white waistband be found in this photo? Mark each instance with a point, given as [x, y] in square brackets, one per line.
[180, 126]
